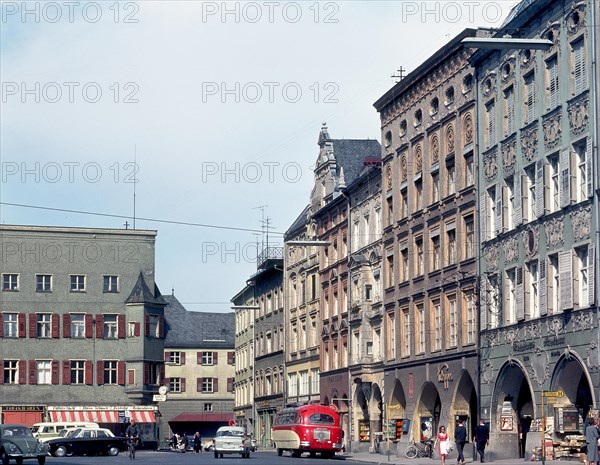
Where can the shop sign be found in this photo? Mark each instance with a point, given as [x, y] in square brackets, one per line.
[22, 408]
[444, 376]
[264, 404]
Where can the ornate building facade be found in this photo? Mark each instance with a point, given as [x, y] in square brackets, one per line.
[539, 225]
[429, 246]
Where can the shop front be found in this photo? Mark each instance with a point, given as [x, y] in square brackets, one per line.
[368, 412]
[265, 419]
[26, 415]
[334, 391]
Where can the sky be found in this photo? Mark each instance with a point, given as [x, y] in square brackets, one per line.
[207, 113]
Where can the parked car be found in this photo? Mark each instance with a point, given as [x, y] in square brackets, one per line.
[232, 440]
[89, 442]
[17, 443]
[51, 430]
[208, 445]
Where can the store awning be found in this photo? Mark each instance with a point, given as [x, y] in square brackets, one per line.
[202, 417]
[96, 416]
[142, 416]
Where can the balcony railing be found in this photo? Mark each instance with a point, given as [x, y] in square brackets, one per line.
[270, 253]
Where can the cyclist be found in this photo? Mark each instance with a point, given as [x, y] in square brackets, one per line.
[133, 435]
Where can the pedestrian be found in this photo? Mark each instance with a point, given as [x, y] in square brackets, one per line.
[482, 439]
[197, 443]
[592, 434]
[460, 437]
[442, 443]
[185, 442]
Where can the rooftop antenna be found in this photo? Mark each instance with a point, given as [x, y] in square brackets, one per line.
[134, 179]
[262, 221]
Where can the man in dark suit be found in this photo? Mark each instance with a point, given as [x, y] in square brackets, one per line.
[460, 437]
[482, 439]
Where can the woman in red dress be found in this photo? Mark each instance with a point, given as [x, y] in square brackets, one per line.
[442, 443]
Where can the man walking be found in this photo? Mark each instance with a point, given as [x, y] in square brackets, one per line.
[482, 439]
[460, 437]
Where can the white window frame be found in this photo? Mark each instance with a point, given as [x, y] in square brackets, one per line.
[10, 282]
[43, 371]
[77, 371]
[43, 283]
[43, 325]
[110, 284]
[110, 371]
[533, 275]
[10, 325]
[10, 372]
[437, 322]
[110, 326]
[77, 283]
[77, 325]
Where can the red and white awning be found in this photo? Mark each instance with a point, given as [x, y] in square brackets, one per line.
[143, 416]
[96, 416]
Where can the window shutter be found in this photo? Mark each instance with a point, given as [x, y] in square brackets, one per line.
[55, 372]
[32, 325]
[543, 290]
[199, 384]
[167, 356]
[136, 328]
[32, 372]
[229, 384]
[1, 332]
[518, 196]
[230, 358]
[66, 375]
[66, 325]
[131, 378]
[99, 326]
[121, 333]
[520, 295]
[182, 384]
[22, 325]
[589, 162]
[565, 269]
[565, 180]
[591, 275]
[161, 374]
[22, 372]
[199, 358]
[89, 326]
[182, 358]
[499, 212]
[215, 358]
[121, 373]
[161, 327]
[579, 72]
[55, 325]
[146, 325]
[539, 188]
[99, 372]
[89, 377]
[215, 384]
[146, 373]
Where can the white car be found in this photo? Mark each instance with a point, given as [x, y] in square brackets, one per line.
[232, 440]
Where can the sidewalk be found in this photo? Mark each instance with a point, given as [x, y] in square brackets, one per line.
[382, 459]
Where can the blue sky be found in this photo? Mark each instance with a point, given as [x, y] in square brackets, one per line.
[220, 103]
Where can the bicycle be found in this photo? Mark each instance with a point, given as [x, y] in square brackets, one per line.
[415, 449]
[131, 443]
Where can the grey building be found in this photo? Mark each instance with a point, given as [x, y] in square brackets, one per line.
[81, 326]
[538, 186]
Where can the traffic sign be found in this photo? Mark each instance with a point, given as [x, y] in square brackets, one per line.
[159, 398]
[553, 393]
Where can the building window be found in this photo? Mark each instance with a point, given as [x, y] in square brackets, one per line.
[554, 281]
[582, 276]
[369, 292]
[207, 385]
[490, 127]
[390, 210]
[10, 325]
[470, 314]
[451, 242]
[44, 327]
[467, 83]
[44, 371]
[391, 326]
[404, 203]
[511, 296]
[418, 118]
[533, 282]
[110, 327]
[175, 358]
[390, 270]
[421, 315]
[10, 282]
[77, 283]
[529, 98]
[404, 258]
[11, 372]
[77, 325]
[437, 322]
[449, 96]
[315, 381]
[509, 110]
[579, 67]
[552, 84]
[406, 332]
[418, 195]
[554, 193]
[529, 213]
[110, 372]
[493, 301]
[435, 186]
[451, 188]
[208, 407]
[175, 385]
[435, 246]
[77, 372]
[469, 237]
[153, 326]
[581, 180]
[453, 323]
[510, 204]
[293, 384]
[469, 171]
[419, 261]
[435, 106]
[304, 383]
[207, 358]
[403, 128]
[111, 284]
[43, 283]
[490, 212]
[388, 138]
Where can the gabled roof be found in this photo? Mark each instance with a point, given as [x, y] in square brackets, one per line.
[298, 225]
[141, 293]
[351, 154]
[197, 330]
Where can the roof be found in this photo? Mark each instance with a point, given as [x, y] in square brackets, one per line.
[298, 225]
[141, 293]
[201, 330]
[351, 154]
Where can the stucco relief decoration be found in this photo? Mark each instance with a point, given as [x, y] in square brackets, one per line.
[540, 366]
[487, 372]
[450, 139]
[583, 322]
[555, 229]
[418, 159]
[511, 335]
[507, 70]
[486, 87]
[579, 115]
[491, 254]
[576, 20]
[555, 326]
[552, 33]
[552, 131]
[468, 128]
[592, 357]
[494, 338]
[581, 221]
[511, 249]
[527, 58]
[531, 239]
[532, 331]
[403, 167]
[490, 166]
[435, 149]
[388, 176]
[529, 142]
[509, 156]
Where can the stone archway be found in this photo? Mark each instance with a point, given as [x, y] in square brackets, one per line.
[571, 377]
[375, 411]
[427, 414]
[464, 405]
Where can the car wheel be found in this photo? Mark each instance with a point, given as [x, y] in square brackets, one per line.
[60, 451]
[19, 460]
[113, 451]
[279, 452]
[5, 458]
[216, 455]
[41, 460]
[221, 455]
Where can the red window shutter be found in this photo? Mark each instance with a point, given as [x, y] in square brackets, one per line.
[199, 384]
[146, 373]
[55, 372]
[88, 373]
[161, 327]
[215, 384]
[32, 325]
[146, 325]
[22, 372]
[182, 384]
[136, 328]
[230, 358]
[1, 332]
[22, 325]
[161, 370]
[199, 358]
[121, 373]
[100, 372]
[167, 356]
[131, 377]
[89, 325]
[121, 326]
[66, 372]
[229, 384]
[215, 358]
[32, 372]
[182, 358]
[99, 326]
[66, 325]
[167, 382]
[55, 325]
